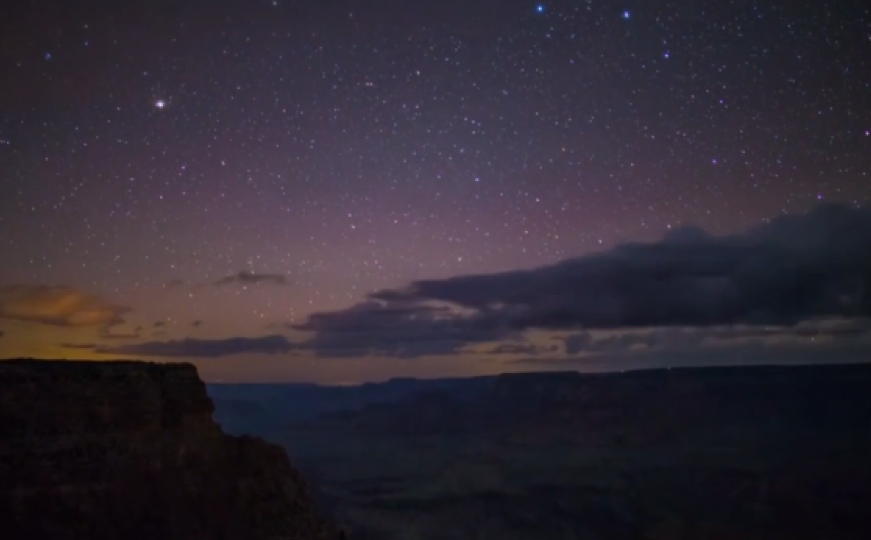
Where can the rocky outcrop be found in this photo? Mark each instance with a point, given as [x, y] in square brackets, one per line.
[129, 450]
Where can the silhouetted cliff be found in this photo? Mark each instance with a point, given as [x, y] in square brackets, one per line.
[129, 450]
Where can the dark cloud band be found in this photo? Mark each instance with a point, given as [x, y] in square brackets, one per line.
[789, 270]
[203, 348]
[783, 272]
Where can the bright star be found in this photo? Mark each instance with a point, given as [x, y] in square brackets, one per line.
[539, 8]
[160, 103]
[626, 14]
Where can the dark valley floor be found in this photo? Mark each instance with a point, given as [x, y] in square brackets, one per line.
[696, 454]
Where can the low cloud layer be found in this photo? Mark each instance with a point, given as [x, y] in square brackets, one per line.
[792, 269]
[389, 329]
[681, 338]
[202, 348]
[114, 335]
[512, 348]
[78, 346]
[252, 278]
[752, 352]
[58, 306]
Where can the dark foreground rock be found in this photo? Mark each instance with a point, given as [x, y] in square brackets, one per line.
[129, 450]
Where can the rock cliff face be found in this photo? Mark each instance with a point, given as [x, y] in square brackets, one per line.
[129, 450]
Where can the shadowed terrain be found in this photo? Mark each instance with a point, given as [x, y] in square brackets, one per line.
[129, 450]
[701, 453]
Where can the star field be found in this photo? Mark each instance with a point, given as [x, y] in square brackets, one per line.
[151, 149]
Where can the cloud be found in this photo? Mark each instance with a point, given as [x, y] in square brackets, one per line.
[77, 346]
[752, 352]
[173, 284]
[2, 333]
[197, 323]
[252, 278]
[783, 272]
[159, 324]
[391, 329]
[203, 348]
[109, 335]
[832, 328]
[663, 337]
[521, 348]
[676, 338]
[58, 306]
[576, 343]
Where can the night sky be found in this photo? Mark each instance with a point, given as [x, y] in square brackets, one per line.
[252, 186]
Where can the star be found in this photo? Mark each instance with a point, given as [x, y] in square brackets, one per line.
[206, 146]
